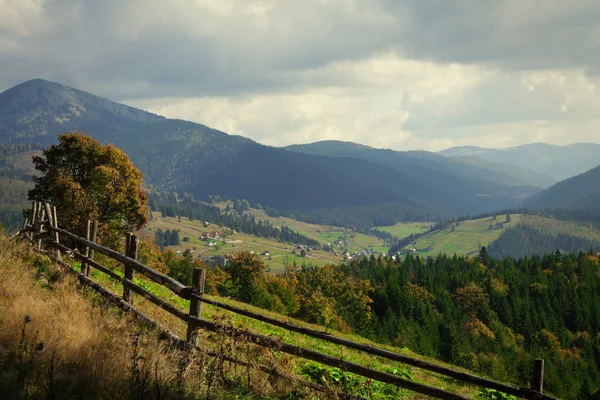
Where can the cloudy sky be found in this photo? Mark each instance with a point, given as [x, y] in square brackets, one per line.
[415, 74]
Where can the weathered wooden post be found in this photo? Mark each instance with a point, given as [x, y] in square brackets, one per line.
[86, 249]
[39, 228]
[537, 381]
[33, 211]
[198, 278]
[56, 237]
[90, 253]
[131, 251]
[50, 220]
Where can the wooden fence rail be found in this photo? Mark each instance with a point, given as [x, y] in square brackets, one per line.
[44, 226]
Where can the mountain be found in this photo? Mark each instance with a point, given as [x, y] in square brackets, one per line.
[472, 168]
[40, 110]
[557, 162]
[477, 183]
[579, 192]
[180, 156]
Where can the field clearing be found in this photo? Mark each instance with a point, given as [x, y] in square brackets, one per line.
[13, 195]
[555, 226]
[280, 253]
[466, 239]
[312, 231]
[404, 229]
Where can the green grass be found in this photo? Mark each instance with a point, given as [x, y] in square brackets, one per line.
[404, 229]
[281, 253]
[302, 366]
[327, 234]
[467, 238]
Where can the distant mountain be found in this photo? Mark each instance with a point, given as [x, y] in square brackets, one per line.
[178, 155]
[557, 162]
[466, 168]
[477, 183]
[579, 192]
[183, 156]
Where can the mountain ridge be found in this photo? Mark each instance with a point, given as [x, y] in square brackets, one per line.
[177, 155]
[557, 162]
[578, 192]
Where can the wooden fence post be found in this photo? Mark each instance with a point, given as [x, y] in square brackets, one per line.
[56, 237]
[90, 252]
[86, 250]
[33, 211]
[131, 249]
[198, 279]
[537, 382]
[39, 229]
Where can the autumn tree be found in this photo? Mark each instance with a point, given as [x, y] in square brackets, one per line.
[86, 180]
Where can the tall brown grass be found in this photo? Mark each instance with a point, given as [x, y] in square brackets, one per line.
[59, 340]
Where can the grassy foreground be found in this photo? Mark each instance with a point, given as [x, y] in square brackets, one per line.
[57, 337]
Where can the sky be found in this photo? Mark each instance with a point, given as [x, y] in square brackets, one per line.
[414, 74]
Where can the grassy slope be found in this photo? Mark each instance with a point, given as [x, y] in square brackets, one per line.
[404, 229]
[325, 233]
[14, 194]
[94, 345]
[555, 226]
[281, 253]
[215, 313]
[467, 237]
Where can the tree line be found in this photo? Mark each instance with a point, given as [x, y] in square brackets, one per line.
[172, 205]
[489, 315]
[525, 241]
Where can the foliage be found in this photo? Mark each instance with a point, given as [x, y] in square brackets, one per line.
[493, 317]
[525, 240]
[492, 394]
[89, 181]
[171, 205]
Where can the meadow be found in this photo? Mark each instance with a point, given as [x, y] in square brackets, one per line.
[466, 238]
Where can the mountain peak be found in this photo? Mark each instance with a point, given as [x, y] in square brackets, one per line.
[40, 109]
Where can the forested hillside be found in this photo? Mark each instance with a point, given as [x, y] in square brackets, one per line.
[189, 157]
[526, 241]
[557, 162]
[489, 315]
[579, 192]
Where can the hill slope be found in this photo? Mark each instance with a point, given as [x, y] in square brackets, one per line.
[39, 110]
[581, 191]
[177, 155]
[466, 168]
[557, 162]
[479, 185]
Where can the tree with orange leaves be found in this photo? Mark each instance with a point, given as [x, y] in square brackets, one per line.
[86, 180]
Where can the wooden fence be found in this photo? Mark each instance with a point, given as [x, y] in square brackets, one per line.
[41, 229]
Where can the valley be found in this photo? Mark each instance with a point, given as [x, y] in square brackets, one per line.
[280, 254]
[340, 207]
[462, 238]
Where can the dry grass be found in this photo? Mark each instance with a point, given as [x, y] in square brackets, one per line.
[61, 341]
[92, 350]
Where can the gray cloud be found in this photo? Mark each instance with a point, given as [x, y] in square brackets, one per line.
[419, 73]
